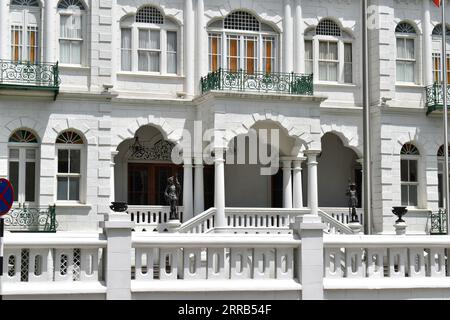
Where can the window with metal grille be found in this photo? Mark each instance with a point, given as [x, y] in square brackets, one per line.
[328, 27]
[405, 27]
[437, 31]
[149, 15]
[241, 20]
[27, 3]
[71, 4]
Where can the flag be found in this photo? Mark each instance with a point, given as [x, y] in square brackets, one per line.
[437, 3]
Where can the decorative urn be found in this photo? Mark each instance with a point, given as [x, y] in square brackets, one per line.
[399, 212]
[119, 206]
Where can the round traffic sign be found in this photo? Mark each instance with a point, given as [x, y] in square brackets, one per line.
[6, 196]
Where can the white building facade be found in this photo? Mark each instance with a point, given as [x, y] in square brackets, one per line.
[84, 83]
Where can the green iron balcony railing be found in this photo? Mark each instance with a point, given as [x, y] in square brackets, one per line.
[435, 98]
[25, 219]
[28, 75]
[274, 82]
[438, 223]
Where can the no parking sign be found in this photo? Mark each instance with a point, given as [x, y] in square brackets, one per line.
[6, 196]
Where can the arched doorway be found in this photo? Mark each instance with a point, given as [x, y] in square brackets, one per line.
[337, 164]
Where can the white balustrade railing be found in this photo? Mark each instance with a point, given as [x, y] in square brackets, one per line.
[147, 218]
[201, 223]
[51, 258]
[333, 226]
[342, 214]
[180, 257]
[362, 256]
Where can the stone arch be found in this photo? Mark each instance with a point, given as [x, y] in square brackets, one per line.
[346, 26]
[175, 15]
[349, 138]
[409, 137]
[167, 131]
[284, 123]
[258, 10]
[23, 123]
[412, 23]
[85, 132]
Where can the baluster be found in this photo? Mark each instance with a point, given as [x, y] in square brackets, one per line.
[241, 262]
[285, 263]
[333, 259]
[397, 260]
[64, 265]
[437, 262]
[38, 265]
[193, 269]
[353, 263]
[89, 265]
[218, 268]
[264, 264]
[416, 259]
[375, 265]
[15, 266]
[168, 263]
[149, 254]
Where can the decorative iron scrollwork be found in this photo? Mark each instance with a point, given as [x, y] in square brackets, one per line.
[160, 151]
[29, 74]
[31, 219]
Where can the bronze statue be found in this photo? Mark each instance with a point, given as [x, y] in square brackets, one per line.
[172, 194]
[352, 201]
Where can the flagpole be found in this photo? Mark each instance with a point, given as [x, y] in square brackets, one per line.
[444, 102]
[367, 193]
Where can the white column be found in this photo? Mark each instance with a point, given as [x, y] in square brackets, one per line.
[188, 208]
[288, 39]
[287, 184]
[313, 202]
[49, 31]
[4, 9]
[297, 178]
[201, 67]
[299, 41]
[112, 195]
[427, 44]
[199, 198]
[219, 187]
[189, 48]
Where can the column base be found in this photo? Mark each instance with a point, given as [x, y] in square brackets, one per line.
[400, 228]
[170, 227]
[356, 227]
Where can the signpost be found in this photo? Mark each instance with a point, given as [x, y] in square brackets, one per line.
[6, 201]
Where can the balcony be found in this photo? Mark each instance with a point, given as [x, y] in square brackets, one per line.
[275, 82]
[26, 219]
[434, 97]
[24, 75]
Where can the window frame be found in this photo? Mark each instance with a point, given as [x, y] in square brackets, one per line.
[342, 40]
[84, 37]
[404, 37]
[25, 26]
[241, 36]
[169, 25]
[81, 175]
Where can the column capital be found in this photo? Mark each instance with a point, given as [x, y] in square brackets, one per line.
[312, 152]
[360, 161]
[298, 162]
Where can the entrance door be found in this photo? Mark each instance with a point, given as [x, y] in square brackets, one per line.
[147, 182]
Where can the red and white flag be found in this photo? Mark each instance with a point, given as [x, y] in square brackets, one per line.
[437, 3]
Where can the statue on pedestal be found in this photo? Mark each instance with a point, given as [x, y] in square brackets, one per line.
[172, 195]
[352, 201]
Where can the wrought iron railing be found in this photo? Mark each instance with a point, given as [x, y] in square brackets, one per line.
[434, 97]
[25, 219]
[19, 74]
[438, 222]
[274, 82]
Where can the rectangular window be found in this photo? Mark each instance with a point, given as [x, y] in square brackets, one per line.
[22, 173]
[171, 52]
[234, 53]
[268, 54]
[250, 54]
[405, 60]
[14, 177]
[69, 174]
[409, 182]
[437, 67]
[16, 43]
[215, 51]
[70, 40]
[32, 44]
[149, 51]
[126, 51]
[348, 63]
[309, 60]
[328, 61]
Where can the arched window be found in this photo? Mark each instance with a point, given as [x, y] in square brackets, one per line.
[25, 21]
[406, 57]
[409, 158]
[149, 42]
[441, 161]
[437, 49]
[70, 173]
[22, 165]
[329, 53]
[72, 22]
[241, 41]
